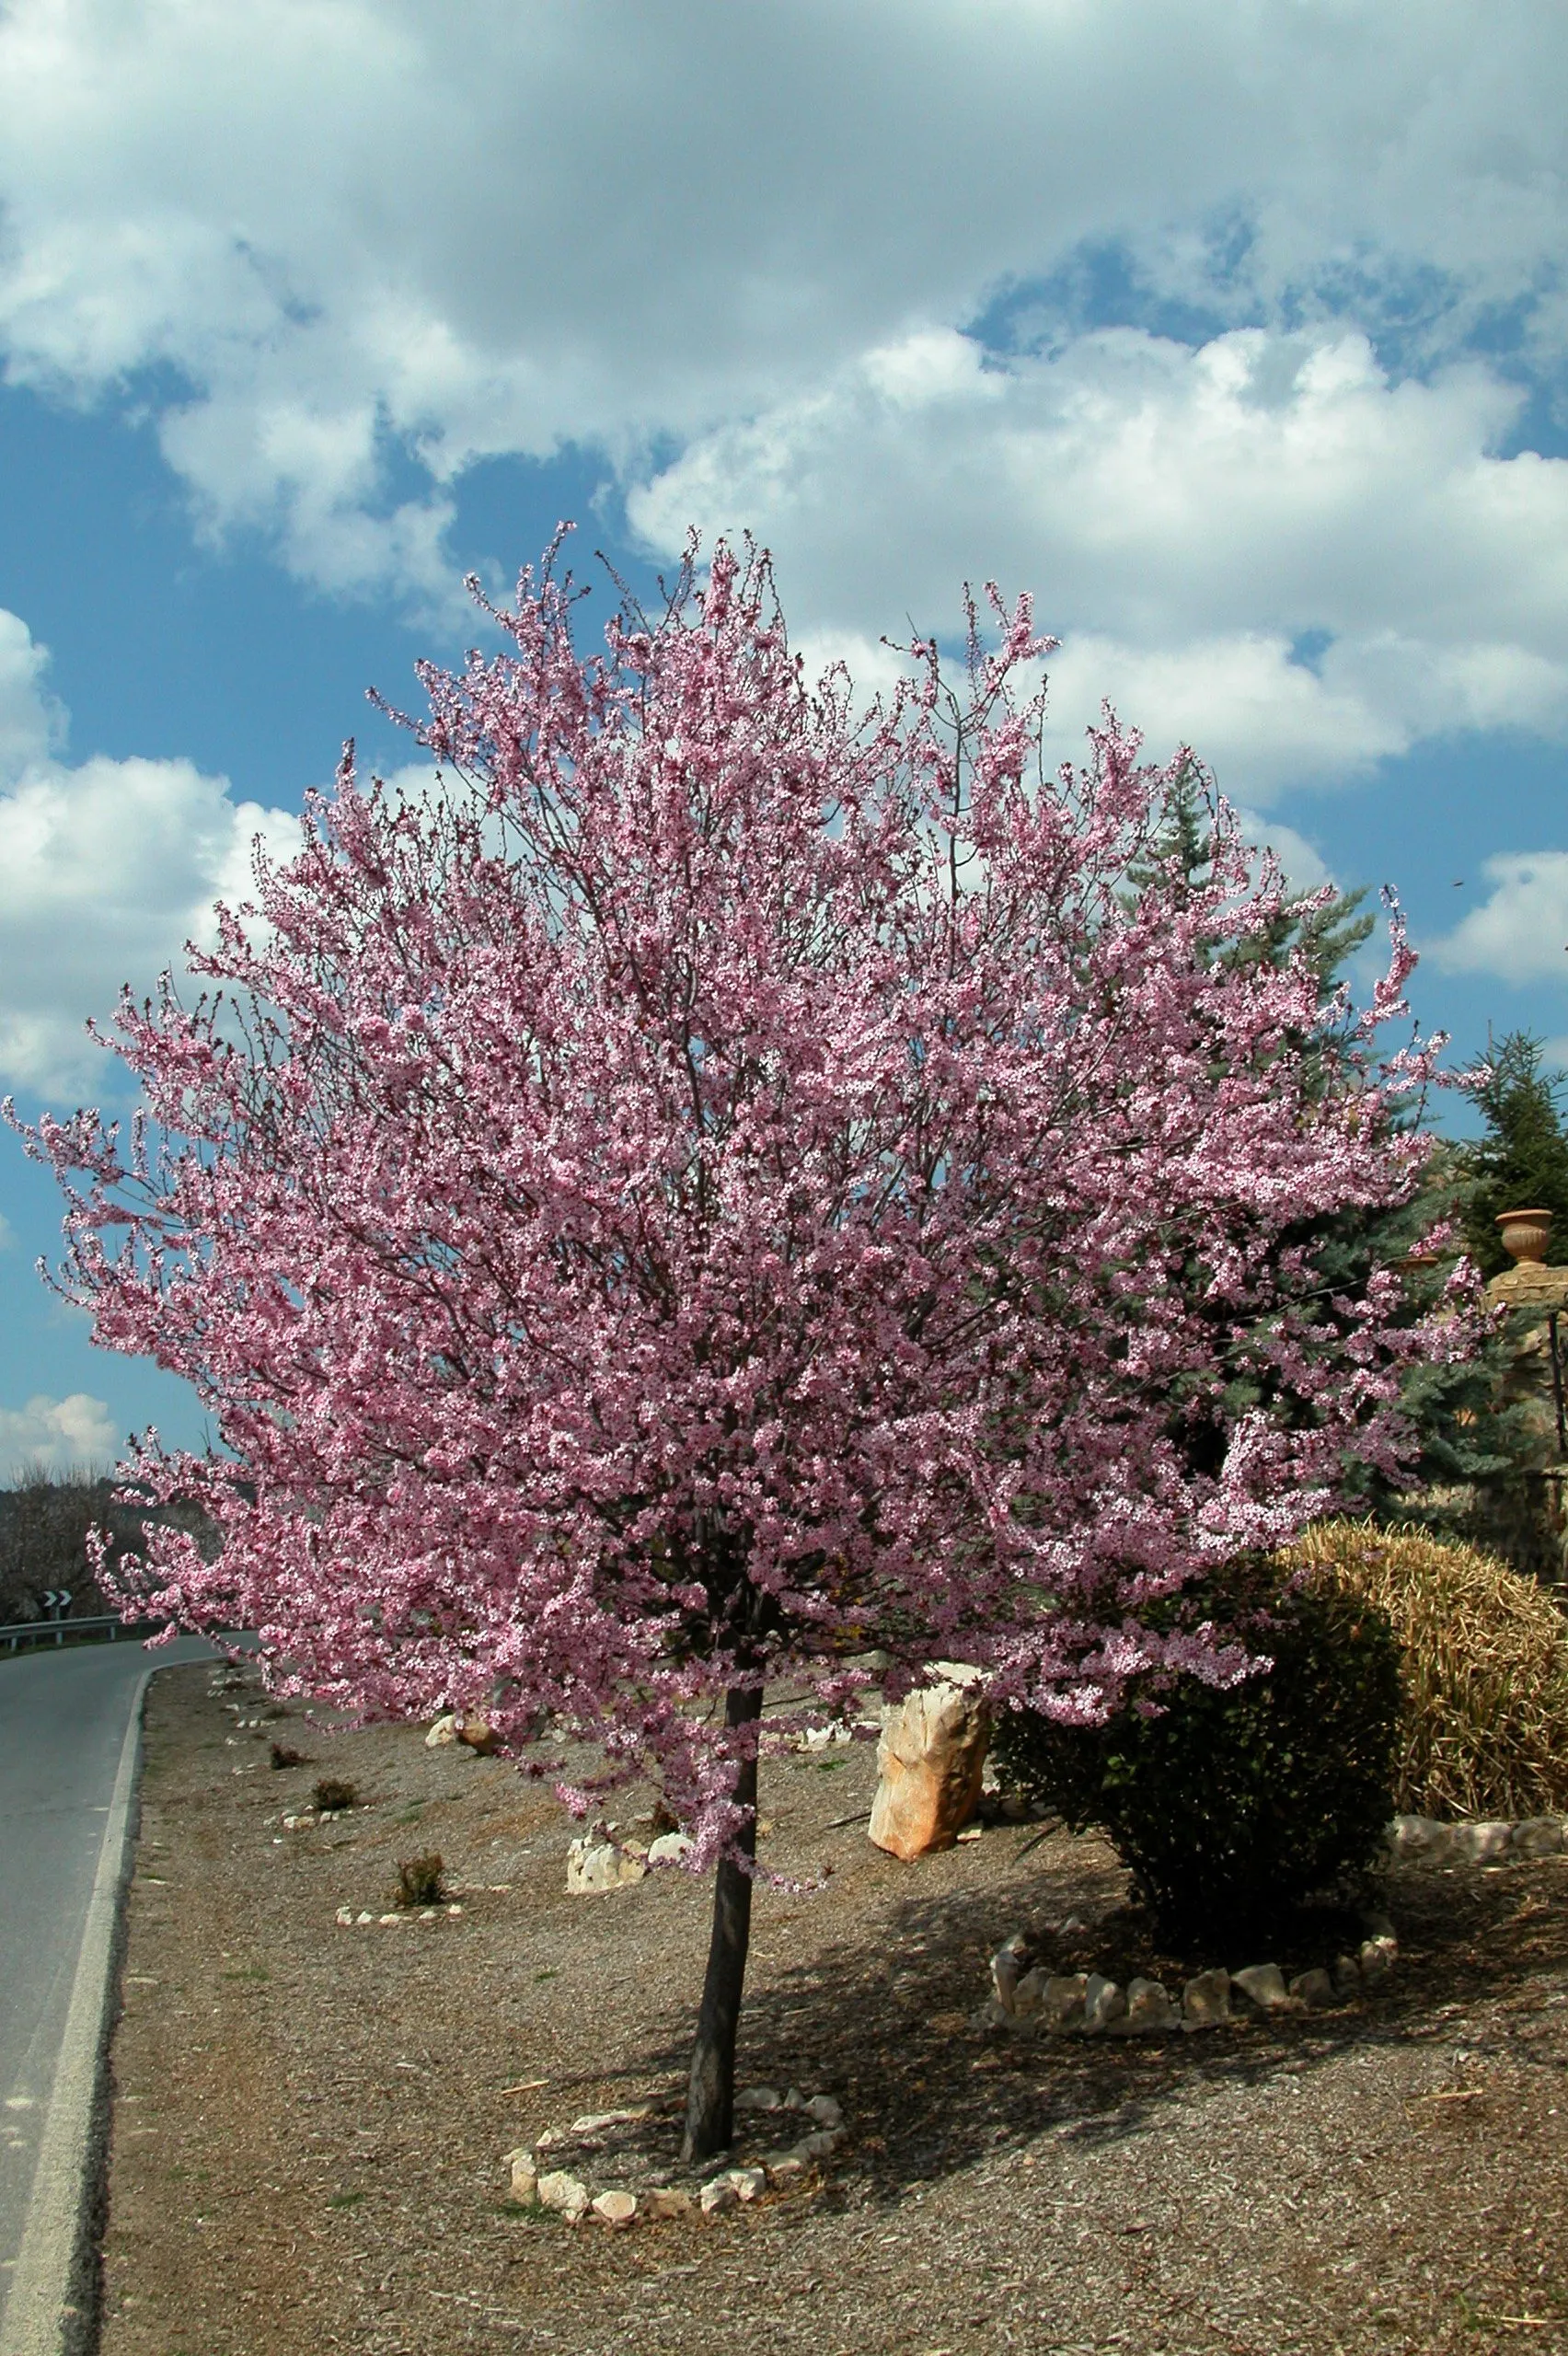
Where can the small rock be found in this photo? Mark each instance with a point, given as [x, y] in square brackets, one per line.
[1314, 1988]
[670, 1849]
[616, 2208]
[345, 1916]
[1481, 1844]
[524, 2177]
[1149, 2010]
[454, 1910]
[1347, 1976]
[1062, 2000]
[1205, 2000]
[563, 2192]
[1006, 1964]
[667, 2201]
[717, 2194]
[594, 1866]
[825, 1738]
[594, 2122]
[1377, 1958]
[389, 1919]
[784, 2167]
[476, 1732]
[429, 1914]
[826, 2109]
[1420, 1840]
[1536, 1836]
[1072, 1926]
[364, 1918]
[819, 2146]
[970, 1833]
[1028, 1993]
[443, 1731]
[759, 2098]
[1264, 1983]
[1103, 2003]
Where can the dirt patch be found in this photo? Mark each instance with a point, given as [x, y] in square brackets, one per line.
[309, 2121]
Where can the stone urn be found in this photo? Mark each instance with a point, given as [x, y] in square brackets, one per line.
[1525, 1233]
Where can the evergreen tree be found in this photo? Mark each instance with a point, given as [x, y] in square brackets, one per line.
[1469, 1426]
[1521, 1162]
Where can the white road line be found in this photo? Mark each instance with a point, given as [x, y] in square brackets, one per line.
[41, 2317]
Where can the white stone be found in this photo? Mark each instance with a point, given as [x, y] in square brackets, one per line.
[524, 2177]
[1314, 1988]
[825, 1737]
[1420, 1840]
[670, 1849]
[563, 2192]
[594, 1866]
[1007, 1966]
[1536, 1836]
[717, 2194]
[784, 2167]
[616, 2208]
[759, 2098]
[443, 1731]
[667, 2201]
[1378, 1957]
[826, 2109]
[364, 1918]
[1347, 1976]
[345, 1916]
[1028, 1993]
[389, 1921]
[819, 2146]
[1481, 1844]
[1149, 2010]
[1103, 2003]
[1205, 2000]
[594, 2122]
[1264, 1983]
[1062, 2000]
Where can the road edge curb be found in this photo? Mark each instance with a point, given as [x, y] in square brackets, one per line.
[50, 2303]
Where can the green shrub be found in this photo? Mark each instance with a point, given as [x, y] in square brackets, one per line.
[1231, 1807]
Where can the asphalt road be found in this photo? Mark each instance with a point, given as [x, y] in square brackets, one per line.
[64, 1717]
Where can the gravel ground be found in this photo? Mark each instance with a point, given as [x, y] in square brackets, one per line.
[309, 2121]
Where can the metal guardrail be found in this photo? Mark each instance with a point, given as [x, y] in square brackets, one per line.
[28, 1635]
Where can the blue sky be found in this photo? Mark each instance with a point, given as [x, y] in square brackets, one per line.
[1240, 337]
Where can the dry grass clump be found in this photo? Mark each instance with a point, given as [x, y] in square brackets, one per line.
[1484, 1666]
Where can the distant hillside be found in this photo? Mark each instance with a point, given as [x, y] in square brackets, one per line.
[44, 1520]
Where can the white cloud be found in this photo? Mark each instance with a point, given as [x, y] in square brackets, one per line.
[1187, 517]
[57, 1434]
[1521, 930]
[108, 868]
[1302, 862]
[341, 224]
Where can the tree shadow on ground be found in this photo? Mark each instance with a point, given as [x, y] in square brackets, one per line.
[891, 2023]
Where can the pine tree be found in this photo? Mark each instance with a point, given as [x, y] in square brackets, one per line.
[1522, 1161]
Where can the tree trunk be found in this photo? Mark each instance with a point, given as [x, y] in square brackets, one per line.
[710, 2091]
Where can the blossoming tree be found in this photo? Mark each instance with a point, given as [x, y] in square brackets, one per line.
[728, 1181]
